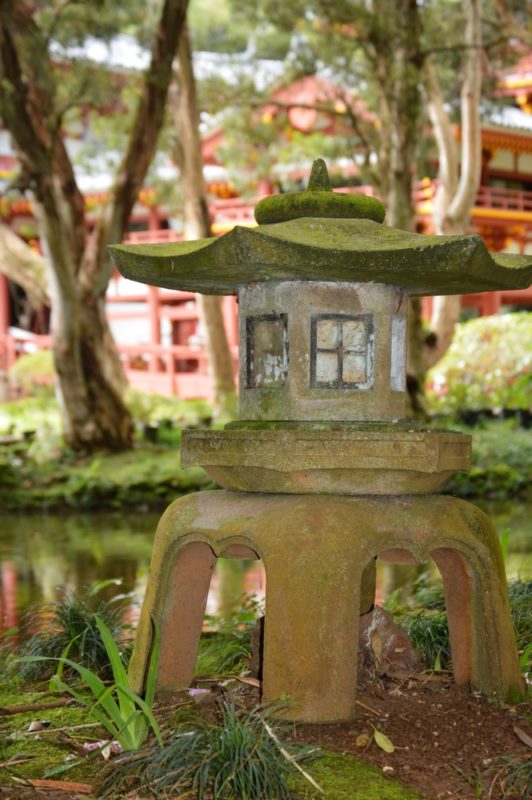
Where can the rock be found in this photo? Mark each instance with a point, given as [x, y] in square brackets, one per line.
[384, 645]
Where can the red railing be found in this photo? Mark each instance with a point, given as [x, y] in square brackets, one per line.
[160, 235]
[500, 198]
[488, 197]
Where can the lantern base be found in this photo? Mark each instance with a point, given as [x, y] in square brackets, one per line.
[349, 461]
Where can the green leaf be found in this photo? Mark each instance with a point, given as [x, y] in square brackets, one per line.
[383, 742]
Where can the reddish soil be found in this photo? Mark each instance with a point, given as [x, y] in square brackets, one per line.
[449, 743]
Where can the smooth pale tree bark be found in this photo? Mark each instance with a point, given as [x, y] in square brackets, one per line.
[90, 376]
[459, 174]
[24, 266]
[198, 226]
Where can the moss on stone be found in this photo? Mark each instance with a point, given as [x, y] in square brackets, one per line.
[320, 248]
[344, 777]
[324, 425]
[295, 205]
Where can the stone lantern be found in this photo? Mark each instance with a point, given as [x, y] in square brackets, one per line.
[322, 472]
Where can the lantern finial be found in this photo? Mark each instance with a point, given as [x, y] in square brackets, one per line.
[319, 177]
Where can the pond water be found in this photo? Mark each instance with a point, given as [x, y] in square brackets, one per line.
[43, 556]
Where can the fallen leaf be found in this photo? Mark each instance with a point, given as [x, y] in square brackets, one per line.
[376, 646]
[362, 740]
[525, 738]
[396, 692]
[383, 742]
[65, 786]
[36, 725]
[249, 681]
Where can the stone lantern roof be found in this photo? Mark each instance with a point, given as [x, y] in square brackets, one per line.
[319, 235]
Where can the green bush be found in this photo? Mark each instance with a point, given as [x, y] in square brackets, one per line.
[35, 373]
[488, 366]
[501, 462]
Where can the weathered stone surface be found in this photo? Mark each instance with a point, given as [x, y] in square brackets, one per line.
[313, 249]
[335, 347]
[315, 555]
[308, 461]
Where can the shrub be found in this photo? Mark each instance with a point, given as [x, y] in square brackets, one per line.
[488, 366]
[35, 373]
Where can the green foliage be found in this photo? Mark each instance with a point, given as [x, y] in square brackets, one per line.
[488, 366]
[126, 717]
[241, 757]
[70, 623]
[153, 409]
[34, 372]
[520, 595]
[425, 620]
[226, 645]
[39, 413]
[513, 776]
[502, 462]
[428, 631]
[41, 473]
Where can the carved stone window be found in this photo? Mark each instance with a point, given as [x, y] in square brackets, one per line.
[266, 351]
[341, 351]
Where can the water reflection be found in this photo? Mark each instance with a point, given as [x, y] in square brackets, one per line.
[44, 556]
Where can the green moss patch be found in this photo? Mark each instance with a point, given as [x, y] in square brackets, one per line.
[344, 777]
[46, 749]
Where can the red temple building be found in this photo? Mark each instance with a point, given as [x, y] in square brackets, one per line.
[158, 332]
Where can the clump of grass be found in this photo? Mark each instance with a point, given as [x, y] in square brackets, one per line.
[242, 756]
[428, 631]
[425, 621]
[520, 595]
[70, 622]
[125, 715]
[227, 643]
[513, 777]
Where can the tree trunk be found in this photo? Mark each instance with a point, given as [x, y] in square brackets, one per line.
[396, 54]
[458, 179]
[198, 226]
[90, 377]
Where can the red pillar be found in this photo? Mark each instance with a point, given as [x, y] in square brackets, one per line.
[155, 324]
[490, 303]
[4, 304]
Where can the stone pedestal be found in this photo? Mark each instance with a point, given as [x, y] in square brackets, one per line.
[316, 551]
